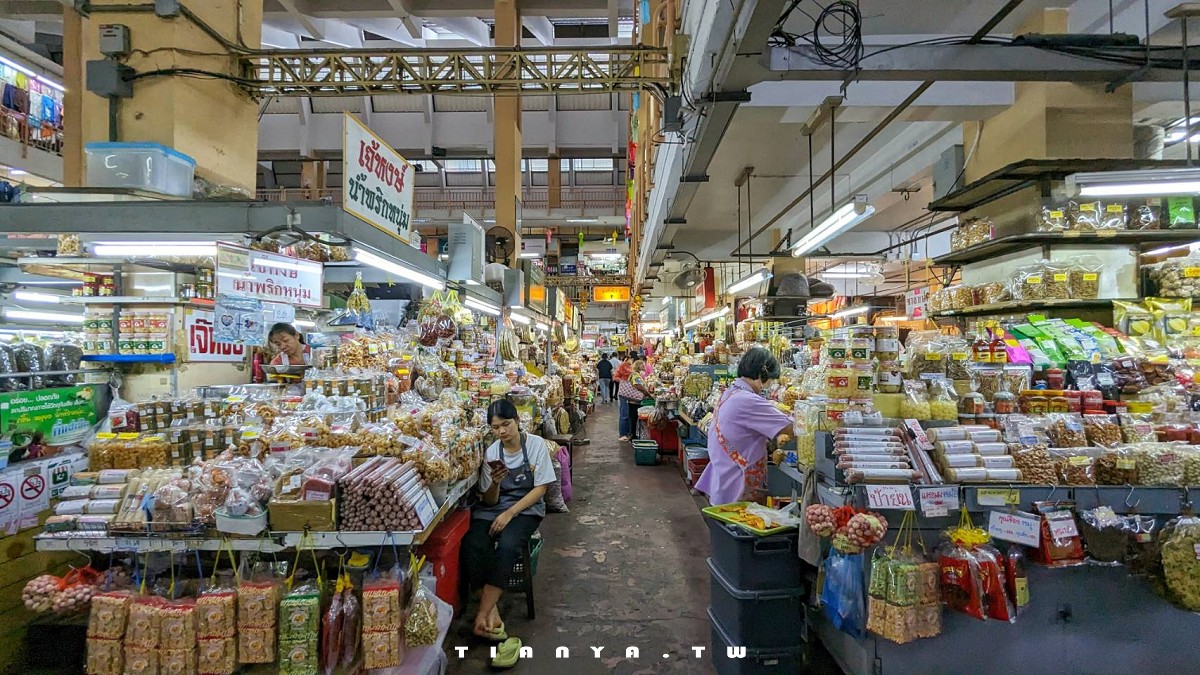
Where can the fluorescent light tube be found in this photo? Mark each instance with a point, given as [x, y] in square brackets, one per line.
[894, 318]
[542, 327]
[844, 275]
[707, 317]
[850, 311]
[31, 296]
[666, 301]
[153, 249]
[530, 254]
[26, 315]
[301, 323]
[838, 222]
[748, 281]
[480, 306]
[1149, 183]
[523, 320]
[606, 256]
[368, 258]
[1167, 249]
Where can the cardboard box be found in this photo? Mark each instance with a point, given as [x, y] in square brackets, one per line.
[295, 516]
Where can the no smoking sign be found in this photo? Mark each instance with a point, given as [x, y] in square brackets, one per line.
[32, 487]
[6, 495]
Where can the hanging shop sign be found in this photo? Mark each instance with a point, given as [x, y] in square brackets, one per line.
[914, 302]
[535, 289]
[268, 276]
[611, 294]
[533, 247]
[57, 416]
[198, 325]
[706, 291]
[560, 305]
[378, 184]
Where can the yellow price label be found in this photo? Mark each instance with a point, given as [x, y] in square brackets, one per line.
[1079, 460]
[1125, 464]
[1033, 280]
[1056, 214]
[1087, 206]
[128, 436]
[959, 356]
[1090, 276]
[1061, 277]
[1115, 208]
[1191, 272]
[933, 357]
[106, 435]
[998, 497]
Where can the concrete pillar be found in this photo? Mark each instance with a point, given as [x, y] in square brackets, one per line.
[210, 119]
[312, 179]
[554, 183]
[1054, 120]
[507, 132]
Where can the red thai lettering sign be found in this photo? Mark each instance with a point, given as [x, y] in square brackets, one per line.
[198, 329]
[268, 277]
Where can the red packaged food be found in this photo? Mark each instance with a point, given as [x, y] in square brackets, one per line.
[1016, 577]
[1061, 544]
[992, 583]
[960, 580]
[332, 632]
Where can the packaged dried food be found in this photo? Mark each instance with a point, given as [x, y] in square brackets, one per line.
[1160, 463]
[299, 657]
[926, 355]
[1029, 283]
[29, 358]
[382, 650]
[1016, 577]
[140, 660]
[1175, 278]
[177, 661]
[1145, 216]
[1051, 219]
[216, 613]
[381, 604]
[889, 378]
[958, 358]
[1113, 217]
[105, 657]
[1061, 544]
[943, 400]
[840, 383]
[217, 656]
[1056, 281]
[177, 623]
[1083, 215]
[1137, 428]
[961, 584]
[420, 624]
[1075, 466]
[1105, 535]
[1116, 466]
[299, 614]
[993, 292]
[1065, 430]
[1035, 463]
[1085, 277]
[1180, 565]
[916, 401]
[256, 645]
[887, 343]
[109, 614]
[1102, 430]
[144, 622]
[258, 601]
[1181, 212]
[994, 584]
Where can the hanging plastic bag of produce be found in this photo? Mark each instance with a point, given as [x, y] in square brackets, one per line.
[1181, 567]
[842, 595]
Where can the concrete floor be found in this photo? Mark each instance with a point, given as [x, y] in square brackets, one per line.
[625, 568]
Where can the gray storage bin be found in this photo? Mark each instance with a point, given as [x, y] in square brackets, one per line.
[758, 619]
[782, 660]
[753, 562]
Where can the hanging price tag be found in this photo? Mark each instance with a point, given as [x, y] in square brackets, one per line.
[890, 497]
[998, 497]
[939, 501]
[1063, 528]
[1016, 526]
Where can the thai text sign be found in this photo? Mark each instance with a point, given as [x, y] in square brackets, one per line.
[378, 184]
[198, 329]
[51, 416]
[268, 277]
[1016, 526]
[610, 294]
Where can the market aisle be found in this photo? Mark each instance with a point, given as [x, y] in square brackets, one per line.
[625, 568]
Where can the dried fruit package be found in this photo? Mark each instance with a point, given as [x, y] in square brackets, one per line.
[1181, 567]
[352, 613]
[1061, 544]
[109, 615]
[332, 636]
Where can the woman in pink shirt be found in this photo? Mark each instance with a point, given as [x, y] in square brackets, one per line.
[743, 422]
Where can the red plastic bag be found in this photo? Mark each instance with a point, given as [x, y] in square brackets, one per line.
[992, 582]
[962, 587]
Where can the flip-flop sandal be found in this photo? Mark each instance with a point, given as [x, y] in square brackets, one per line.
[507, 654]
[498, 635]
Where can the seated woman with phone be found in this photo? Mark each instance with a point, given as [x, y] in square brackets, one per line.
[516, 473]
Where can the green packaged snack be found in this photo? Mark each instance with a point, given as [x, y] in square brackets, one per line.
[299, 615]
[1181, 213]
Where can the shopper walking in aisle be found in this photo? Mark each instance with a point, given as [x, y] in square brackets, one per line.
[632, 392]
[742, 424]
[616, 363]
[513, 482]
[620, 376]
[604, 371]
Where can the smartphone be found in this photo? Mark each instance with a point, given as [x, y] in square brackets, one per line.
[496, 463]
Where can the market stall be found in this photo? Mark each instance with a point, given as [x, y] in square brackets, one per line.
[1005, 485]
[314, 496]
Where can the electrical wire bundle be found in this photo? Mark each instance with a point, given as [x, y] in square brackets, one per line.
[836, 35]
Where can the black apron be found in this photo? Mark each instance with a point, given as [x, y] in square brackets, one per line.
[513, 489]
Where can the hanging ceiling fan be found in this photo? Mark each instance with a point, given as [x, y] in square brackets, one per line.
[499, 245]
[690, 275]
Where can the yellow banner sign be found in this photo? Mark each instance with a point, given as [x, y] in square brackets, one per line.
[611, 294]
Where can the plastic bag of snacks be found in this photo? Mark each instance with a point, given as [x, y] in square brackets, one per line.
[109, 614]
[105, 657]
[1034, 462]
[1085, 277]
[1102, 430]
[994, 584]
[1181, 567]
[943, 403]
[1105, 534]
[351, 621]
[144, 624]
[1160, 463]
[926, 354]
[1075, 466]
[916, 401]
[1061, 544]
[333, 622]
[381, 603]
[420, 625]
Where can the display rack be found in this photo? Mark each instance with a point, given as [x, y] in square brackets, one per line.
[1024, 307]
[272, 542]
[1020, 242]
[129, 358]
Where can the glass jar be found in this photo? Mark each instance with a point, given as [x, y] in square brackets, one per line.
[887, 343]
[1004, 402]
[971, 403]
[987, 418]
[889, 378]
[861, 349]
[837, 351]
[1055, 378]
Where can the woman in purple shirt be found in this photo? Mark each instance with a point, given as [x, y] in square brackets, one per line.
[743, 422]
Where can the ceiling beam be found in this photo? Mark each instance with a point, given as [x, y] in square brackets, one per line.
[468, 28]
[613, 23]
[392, 29]
[307, 22]
[340, 33]
[968, 63]
[541, 28]
[411, 24]
[279, 38]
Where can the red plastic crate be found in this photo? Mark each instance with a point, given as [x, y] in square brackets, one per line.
[695, 468]
[667, 438]
[441, 550]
